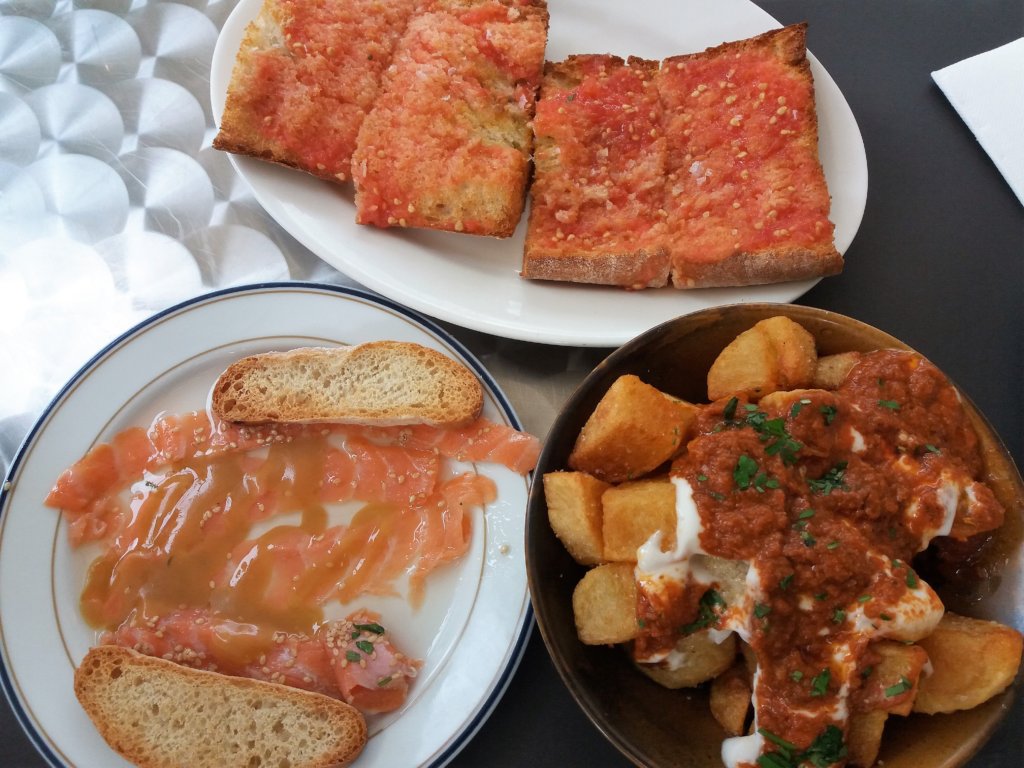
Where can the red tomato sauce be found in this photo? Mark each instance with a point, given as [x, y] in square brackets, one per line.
[830, 496]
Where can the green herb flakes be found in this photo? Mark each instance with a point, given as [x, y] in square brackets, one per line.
[902, 686]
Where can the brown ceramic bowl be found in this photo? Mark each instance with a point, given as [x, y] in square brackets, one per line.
[654, 726]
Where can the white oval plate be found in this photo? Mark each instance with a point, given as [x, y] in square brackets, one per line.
[470, 631]
[474, 281]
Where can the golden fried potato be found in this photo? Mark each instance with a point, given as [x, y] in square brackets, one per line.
[795, 351]
[633, 512]
[777, 353]
[574, 512]
[695, 660]
[972, 660]
[830, 370]
[604, 605]
[730, 698]
[864, 737]
[894, 682]
[746, 366]
[783, 400]
[729, 577]
[634, 429]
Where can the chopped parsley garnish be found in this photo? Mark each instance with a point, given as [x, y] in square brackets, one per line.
[352, 656]
[770, 431]
[833, 545]
[806, 514]
[785, 581]
[384, 681]
[885, 617]
[729, 412]
[743, 474]
[746, 475]
[761, 610]
[796, 675]
[375, 628]
[866, 672]
[933, 449]
[830, 481]
[839, 616]
[702, 478]
[798, 406]
[911, 579]
[821, 596]
[819, 683]
[807, 539]
[716, 496]
[826, 749]
[892, 405]
[365, 646]
[707, 613]
[863, 598]
[902, 686]
[829, 412]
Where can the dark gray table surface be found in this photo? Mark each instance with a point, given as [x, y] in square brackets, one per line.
[938, 262]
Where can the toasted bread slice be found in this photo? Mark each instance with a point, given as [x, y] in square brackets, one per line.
[596, 212]
[746, 196]
[447, 144]
[702, 170]
[382, 383]
[159, 714]
[304, 78]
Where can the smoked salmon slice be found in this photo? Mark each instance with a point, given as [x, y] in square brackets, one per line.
[351, 659]
[202, 567]
[483, 441]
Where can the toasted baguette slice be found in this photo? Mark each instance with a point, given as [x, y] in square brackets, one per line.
[447, 144]
[158, 714]
[599, 175]
[381, 383]
[305, 76]
[747, 201]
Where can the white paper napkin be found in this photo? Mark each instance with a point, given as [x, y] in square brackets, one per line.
[988, 92]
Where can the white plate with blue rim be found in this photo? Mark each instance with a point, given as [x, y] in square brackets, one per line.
[474, 281]
[473, 624]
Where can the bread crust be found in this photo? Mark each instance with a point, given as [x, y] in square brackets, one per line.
[158, 714]
[383, 383]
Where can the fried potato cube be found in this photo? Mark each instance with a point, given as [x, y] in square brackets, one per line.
[864, 737]
[635, 511]
[795, 351]
[746, 366]
[776, 353]
[730, 698]
[972, 660]
[634, 429]
[604, 605]
[574, 512]
[783, 400]
[894, 681]
[696, 659]
[830, 371]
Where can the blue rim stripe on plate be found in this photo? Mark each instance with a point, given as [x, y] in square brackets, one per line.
[518, 648]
